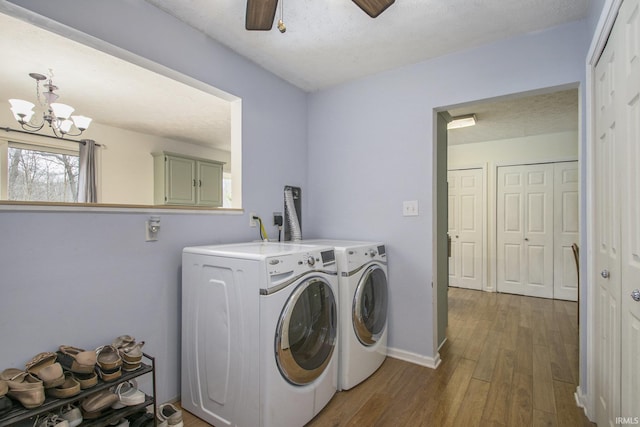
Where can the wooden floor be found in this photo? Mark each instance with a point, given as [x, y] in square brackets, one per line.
[508, 361]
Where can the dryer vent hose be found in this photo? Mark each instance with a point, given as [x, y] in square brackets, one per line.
[294, 224]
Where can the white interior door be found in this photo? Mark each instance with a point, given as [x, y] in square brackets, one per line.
[630, 204]
[566, 226]
[607, 234]
[525, 230]
[466, 216]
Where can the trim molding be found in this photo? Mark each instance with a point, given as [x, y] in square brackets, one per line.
[582, 402]
[418, 359]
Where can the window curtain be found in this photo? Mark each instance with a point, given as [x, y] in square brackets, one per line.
[87, 192]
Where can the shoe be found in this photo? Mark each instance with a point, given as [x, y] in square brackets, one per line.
[108, 358]
[128, 395]
[4, 387]
[95, 403]
[122, 341]
[51, 420]
[132, 352]
[109, 375]
[141, 419]
[86, 380]
[24, 387]
[5, 404]
[45, 367]
[70, 387]
[168, 412]
[72, 414]
[77, 360]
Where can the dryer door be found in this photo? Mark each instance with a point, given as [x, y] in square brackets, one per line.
[370, 306]
[306, 332]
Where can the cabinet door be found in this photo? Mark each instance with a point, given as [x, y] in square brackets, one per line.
[180, 180]
[209, 184]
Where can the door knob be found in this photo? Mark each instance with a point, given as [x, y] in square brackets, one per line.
[526, 239]
[605, 274]
[635, 294]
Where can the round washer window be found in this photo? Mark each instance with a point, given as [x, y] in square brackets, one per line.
[370, 306]
[306, 332]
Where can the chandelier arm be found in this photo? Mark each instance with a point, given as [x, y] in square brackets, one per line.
[31, 128]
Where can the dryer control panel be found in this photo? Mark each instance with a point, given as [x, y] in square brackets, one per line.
[284, 268]
[359, 256]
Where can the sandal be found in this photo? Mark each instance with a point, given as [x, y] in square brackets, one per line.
[69, 388]
[132, 353]
[72, 414]
[86, 380]
[128, 395]
[76, 359]
[108, 358]
[45, 367]
[122, 341]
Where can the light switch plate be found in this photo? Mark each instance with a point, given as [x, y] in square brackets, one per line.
[410, 208]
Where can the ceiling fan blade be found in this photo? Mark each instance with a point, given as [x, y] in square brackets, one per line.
[373, 8]
[260, 14]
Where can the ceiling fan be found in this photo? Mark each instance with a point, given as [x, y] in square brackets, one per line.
[261, 13]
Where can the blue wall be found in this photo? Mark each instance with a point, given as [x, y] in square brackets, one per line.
[371, 145]
[84, 278]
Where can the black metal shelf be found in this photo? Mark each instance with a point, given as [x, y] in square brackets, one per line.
[19, 413]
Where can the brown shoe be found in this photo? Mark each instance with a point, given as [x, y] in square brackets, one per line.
[45, 367]
[76, 359]
[24, 387]
[69, 388]
[108, 358]
[99, 401]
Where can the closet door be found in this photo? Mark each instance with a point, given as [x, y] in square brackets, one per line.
[525, 230]
[466, 195]
[630, 204]
[566, 226]
[607, 234]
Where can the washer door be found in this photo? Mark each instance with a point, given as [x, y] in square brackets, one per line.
[306, 332]
[370, 306]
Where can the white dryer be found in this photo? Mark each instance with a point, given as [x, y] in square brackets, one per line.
[259, 333]
[363, 296]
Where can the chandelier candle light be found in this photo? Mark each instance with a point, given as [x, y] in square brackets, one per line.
[57, 115]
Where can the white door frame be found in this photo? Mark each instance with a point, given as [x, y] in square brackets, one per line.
[584, 393]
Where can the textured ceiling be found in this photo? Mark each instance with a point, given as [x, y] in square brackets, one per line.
[331, 41]
[518, 117]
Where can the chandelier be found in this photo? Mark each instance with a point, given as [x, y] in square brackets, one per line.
[57, 116]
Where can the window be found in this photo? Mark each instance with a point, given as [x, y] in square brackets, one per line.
[42, 173]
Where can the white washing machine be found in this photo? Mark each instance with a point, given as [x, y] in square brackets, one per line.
[259, 333]
[363, 296]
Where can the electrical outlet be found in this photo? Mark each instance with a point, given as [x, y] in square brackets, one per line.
[278, 219]
[410, 208]
[252, 222]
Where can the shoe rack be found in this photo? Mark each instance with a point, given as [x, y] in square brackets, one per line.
[18, 413]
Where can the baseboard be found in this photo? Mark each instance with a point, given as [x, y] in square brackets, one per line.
[418, 359]
[581, 401]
